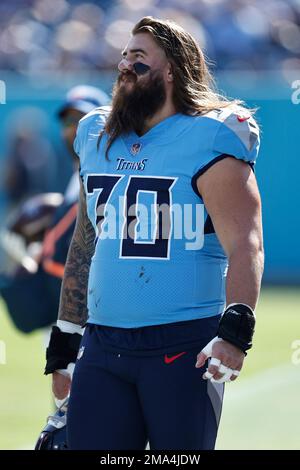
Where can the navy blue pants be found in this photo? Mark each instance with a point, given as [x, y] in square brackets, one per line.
[122, 399]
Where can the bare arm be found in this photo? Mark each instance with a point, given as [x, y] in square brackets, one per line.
[232, 199]
[231, 196]
[73, 297]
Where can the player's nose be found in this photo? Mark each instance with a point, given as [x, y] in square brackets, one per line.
[125, 64]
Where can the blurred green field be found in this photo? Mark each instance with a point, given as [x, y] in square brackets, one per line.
[261, 409]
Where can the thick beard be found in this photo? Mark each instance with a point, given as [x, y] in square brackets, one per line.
[130, 109]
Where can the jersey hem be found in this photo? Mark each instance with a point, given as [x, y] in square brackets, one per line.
[131, 325]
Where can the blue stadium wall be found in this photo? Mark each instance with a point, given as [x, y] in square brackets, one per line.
[277, 170]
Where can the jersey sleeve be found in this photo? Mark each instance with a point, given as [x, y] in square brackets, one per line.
[82, 130]
[237, 135]
[91, 122]
[76, 143]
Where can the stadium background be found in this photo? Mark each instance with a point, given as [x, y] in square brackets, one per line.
[47, 46]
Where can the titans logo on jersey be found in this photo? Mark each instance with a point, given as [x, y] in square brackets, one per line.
[144, 205]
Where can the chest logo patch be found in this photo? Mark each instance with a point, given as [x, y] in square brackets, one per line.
[135, 148]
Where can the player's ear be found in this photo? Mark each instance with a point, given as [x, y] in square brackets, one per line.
[170, 76]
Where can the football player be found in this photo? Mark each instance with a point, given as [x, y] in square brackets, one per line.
[166, 323]
[38, 235]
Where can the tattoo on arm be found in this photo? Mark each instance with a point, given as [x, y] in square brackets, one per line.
[73, 297]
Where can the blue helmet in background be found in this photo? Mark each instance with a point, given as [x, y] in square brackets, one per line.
[84, 98]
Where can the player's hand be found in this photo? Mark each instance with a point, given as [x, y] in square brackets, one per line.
[61, 385]
[226, 360]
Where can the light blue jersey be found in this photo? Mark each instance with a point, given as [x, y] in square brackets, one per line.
[152, 264]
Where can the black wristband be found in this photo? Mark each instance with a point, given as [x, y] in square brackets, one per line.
[63, 349]
[237, 326]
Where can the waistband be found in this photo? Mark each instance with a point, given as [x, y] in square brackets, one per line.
[156, 339]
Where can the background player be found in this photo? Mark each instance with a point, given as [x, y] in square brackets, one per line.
[45, 224]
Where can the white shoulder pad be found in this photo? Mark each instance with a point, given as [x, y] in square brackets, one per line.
[101, 111]
[90, 123]
[240, 121]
